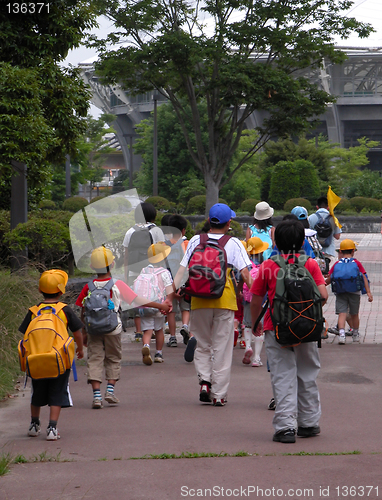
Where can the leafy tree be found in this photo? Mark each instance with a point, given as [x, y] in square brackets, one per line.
[368, 185]
[176, 168]
[44, 130]
[347, 164]
[237, 56]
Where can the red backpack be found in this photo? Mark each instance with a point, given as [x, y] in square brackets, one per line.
[207, 268]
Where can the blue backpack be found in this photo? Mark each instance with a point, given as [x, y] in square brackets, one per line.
[346, 276]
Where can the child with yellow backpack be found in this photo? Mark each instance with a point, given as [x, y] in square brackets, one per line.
[47, 351]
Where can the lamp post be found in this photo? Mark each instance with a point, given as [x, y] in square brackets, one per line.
[155, 147]
[131, 169]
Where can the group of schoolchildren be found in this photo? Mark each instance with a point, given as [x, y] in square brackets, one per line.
[210, 317]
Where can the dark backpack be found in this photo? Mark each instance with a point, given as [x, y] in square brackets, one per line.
[175, 256]
[297, 305]
[207, 268]
[324, 230]
[139, 243]
[346, 277]
[99, 312]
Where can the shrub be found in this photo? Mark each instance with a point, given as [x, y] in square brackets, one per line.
[74, 203]
[294, 202]
[110, 205]
[197, 204]
[360, 203]
[160, 203]
[343, 206]
[249, 205]
[47, 240]
[47, 205]
[237, 230]
[61, 216]
[97, 198]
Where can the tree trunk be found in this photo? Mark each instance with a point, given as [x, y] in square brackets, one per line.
[212, 193]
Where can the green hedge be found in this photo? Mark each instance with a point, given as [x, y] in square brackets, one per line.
[160, 203]
[74, 203]
[197, 204]
[294, 202]
[47, 205]
[365, 205]
[249, 205]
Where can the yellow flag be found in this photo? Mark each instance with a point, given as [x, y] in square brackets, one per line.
[333, 201]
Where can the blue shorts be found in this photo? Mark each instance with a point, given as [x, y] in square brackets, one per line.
[52, 391]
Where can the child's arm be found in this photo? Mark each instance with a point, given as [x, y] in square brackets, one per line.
[367, 288]
[141, 301]
[80, 346]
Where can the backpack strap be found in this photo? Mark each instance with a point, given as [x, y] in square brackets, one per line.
[58, 306]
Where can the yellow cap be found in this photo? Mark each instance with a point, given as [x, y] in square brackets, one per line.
[347, 245]
[101, 258]
[244, 243]
[256, 245]
[158, 252]
[53, 281]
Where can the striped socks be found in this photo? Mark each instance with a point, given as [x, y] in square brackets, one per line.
[110, 388]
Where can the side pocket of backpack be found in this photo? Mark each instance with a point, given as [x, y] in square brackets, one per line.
[69, 350]
[22, 355]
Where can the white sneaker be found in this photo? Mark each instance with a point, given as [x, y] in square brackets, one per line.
[342, 340]
[257, 362]
[52, 434]
[111, 398]
[34, 430]
[356, 337]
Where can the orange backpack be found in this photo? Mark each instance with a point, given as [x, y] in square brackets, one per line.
[46, 350]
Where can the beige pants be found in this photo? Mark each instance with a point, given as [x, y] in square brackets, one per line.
[104, 351]
[213, 330]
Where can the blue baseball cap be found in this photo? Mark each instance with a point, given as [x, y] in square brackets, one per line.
[221, 213]
[300, 212]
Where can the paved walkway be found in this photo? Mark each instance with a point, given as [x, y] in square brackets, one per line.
[161, 443]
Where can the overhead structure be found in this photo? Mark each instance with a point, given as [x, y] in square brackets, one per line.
[357, 84]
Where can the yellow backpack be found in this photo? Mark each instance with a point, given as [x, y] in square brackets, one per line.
[46, 350]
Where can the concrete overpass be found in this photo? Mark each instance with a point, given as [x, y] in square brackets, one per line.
[357, 83]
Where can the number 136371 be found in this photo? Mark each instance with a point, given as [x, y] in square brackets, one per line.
[27, 7]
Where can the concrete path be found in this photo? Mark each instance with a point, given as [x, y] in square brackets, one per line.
[162, 443]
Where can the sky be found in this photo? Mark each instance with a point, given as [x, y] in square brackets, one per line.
[367, 11]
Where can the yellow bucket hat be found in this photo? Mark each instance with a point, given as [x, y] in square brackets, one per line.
[53, 281]
[158, 252]
[256, 245]
[101, 258]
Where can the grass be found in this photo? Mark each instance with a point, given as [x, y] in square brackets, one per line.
[319, 454]
[18, 292]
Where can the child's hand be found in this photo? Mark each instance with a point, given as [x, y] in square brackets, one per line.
[166, 308]
[369, 297]
[84, 338]
[80, 353]
[259, 330]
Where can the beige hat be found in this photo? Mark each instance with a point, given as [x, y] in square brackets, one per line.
[53, 281]
[158, 252]
[263, 211]
[256, 245]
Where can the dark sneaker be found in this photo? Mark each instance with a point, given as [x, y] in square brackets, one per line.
[272, 404]
[172, 342]
[286, 436]
[204, 395]
[333, 330]
[190, 350]
[185, 333]
[158, 358]
[138, 336]
[307, 432]
[219, 402]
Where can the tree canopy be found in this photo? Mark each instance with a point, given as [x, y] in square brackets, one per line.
[239, 56]
[42, 103]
